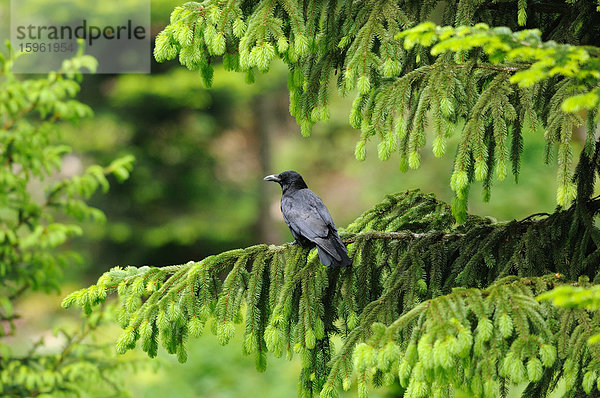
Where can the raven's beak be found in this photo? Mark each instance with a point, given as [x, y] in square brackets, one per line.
[272, 177]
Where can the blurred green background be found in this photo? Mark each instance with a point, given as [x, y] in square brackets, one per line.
[197, 190]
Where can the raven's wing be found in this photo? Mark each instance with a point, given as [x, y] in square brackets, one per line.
[303, 212]
[306, 215]
[300, 212]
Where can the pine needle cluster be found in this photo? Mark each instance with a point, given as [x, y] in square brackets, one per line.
[491, 84]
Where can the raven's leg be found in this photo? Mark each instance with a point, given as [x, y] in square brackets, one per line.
[302, 241]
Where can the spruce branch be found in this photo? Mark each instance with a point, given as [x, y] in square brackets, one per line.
[407, 73]
[412, 269]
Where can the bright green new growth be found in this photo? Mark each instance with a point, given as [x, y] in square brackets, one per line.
[492, 84]
[40, 212]
[580, 295]
[425, 302]
[572, 73]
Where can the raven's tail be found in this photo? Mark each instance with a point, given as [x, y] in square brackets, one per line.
[332, 251]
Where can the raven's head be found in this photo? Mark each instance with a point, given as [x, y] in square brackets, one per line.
[288, 179]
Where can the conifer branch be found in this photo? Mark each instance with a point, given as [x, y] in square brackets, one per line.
[351, 238]
[412, 269]
[407, 72]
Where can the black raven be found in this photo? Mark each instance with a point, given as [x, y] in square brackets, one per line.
[308, 219]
